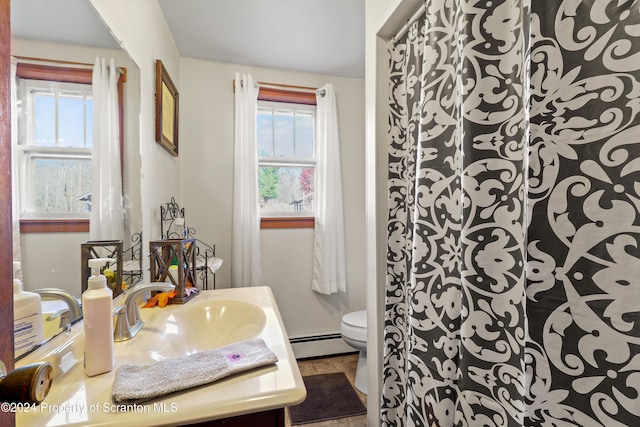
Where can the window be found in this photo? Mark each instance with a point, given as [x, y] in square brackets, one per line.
[286, 159]
[54, 146]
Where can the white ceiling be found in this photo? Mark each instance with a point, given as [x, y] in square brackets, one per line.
[316, 36]
[319, 36]
[60, 21]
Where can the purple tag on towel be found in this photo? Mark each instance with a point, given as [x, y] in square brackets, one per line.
[234, 357]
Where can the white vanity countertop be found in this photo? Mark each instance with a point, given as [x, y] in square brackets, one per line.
[78, 400]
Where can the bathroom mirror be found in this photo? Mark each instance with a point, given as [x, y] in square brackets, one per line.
[69, 33]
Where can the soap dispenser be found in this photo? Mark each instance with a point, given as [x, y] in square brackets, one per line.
[97, 305]
[27, 316]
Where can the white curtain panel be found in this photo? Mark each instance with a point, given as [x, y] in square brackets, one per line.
[329, 268]
[15, 189]
[245, 259]
[107, 214]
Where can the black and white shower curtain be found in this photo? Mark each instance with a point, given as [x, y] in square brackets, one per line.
[513, 262]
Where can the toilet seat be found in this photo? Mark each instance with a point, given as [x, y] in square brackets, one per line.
[354, 325]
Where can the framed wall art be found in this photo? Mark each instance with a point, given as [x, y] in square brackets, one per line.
[166, 110]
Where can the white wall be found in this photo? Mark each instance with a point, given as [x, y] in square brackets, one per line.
[53, 259]
[206, 153]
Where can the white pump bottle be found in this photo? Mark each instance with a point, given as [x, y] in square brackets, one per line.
[97, 305]
[27, 316]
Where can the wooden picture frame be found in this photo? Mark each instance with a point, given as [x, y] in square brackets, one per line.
[166, 110]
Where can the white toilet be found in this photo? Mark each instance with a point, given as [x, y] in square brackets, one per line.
[354, 332]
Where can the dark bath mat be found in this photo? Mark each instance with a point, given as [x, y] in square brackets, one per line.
[329, 396]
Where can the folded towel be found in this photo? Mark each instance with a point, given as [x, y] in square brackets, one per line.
[139, 383]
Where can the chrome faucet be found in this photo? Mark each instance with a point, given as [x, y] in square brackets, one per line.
[75, 310]
[128, 322]
[63, 315]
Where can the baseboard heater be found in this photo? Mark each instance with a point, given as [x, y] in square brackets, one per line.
[319, 345]
[315, 338]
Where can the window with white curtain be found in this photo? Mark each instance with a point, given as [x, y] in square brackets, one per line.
[54, 148]
[286, 158]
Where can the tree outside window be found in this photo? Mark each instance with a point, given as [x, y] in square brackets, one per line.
[286, 158]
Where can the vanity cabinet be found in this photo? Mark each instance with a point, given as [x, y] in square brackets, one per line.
[273, 418]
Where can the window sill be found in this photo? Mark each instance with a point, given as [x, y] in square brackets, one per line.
[54, 226]
[288, 222]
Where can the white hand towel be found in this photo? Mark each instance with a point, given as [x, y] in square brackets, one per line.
[140, 383]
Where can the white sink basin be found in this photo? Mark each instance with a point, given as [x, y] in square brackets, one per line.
[212, 319]
[196, 326]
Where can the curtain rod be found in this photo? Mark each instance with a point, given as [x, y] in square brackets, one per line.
[123, 70]
[293, 88]
[410, 22]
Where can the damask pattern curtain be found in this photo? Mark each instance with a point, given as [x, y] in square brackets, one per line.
[513, 224]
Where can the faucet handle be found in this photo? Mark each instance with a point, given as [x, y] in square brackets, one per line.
[133, 313]
[63, 314]
[128, 321]
[122, 331]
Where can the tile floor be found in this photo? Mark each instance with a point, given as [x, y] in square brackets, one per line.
[346, 363]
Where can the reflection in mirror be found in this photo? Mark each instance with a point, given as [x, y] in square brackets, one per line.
[46, 240]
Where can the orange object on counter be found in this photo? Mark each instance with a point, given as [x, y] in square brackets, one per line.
[160, 299]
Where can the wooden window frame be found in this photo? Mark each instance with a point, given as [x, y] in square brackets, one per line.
[79, 225]
[288, 222]
[291, 95]
[54, 73]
